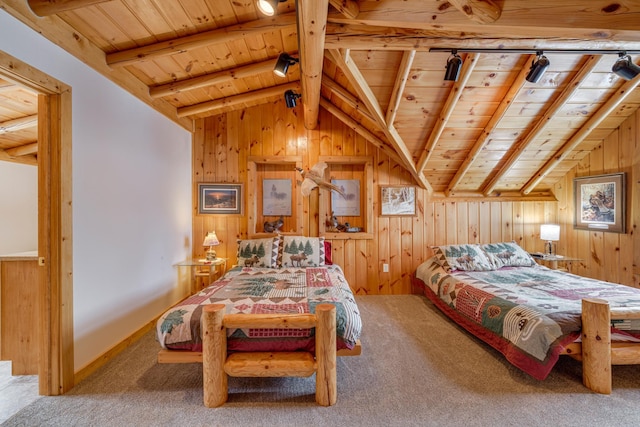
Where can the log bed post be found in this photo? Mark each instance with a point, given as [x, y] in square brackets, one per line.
[596, 345]
[326, 359]
[214, 351]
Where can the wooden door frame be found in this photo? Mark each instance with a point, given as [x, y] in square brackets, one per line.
[55, 237]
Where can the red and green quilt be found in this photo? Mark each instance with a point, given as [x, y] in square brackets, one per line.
[529, 314]
[265, 290]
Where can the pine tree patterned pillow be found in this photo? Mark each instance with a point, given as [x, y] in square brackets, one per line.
[462, 257]
[508, 254]
[300, 251]
[258, 252]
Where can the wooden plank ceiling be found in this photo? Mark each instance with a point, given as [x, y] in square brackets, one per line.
[368, 62]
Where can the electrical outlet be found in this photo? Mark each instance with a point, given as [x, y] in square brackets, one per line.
[385, 268]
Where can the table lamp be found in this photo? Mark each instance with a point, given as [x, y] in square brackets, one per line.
[211, 240]
[550, 233]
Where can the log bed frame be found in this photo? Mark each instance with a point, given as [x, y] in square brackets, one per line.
[596, 351]
[218, 364]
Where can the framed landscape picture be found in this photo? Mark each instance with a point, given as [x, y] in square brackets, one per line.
[276, 197]
[349, 205]
[397, 200]
[599, 203]
[220, 198]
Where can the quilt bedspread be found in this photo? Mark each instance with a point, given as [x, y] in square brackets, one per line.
[265, 290]
[527, 313]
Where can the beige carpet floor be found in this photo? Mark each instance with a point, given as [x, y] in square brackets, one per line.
[417, 369]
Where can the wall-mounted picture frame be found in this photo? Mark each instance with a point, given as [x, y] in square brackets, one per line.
[220, 198]
[599, 202]
[349, 205]
[397, 200]
[276, 197]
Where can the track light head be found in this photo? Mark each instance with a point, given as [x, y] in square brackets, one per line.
[282, 64]
[268, 7]
[625, 67]
[538, 67]
[291, 98]
[454, 63]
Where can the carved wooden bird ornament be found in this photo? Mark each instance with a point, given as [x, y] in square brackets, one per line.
[314, 177]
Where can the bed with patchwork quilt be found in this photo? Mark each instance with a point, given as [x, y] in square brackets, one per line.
[532, 314]
[282, 310]
[255, 290]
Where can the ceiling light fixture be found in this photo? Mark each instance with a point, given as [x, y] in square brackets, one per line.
[625, 67]
[290, 98]
[282, 64]
[454, 63]
[268, 7]
[538, 67]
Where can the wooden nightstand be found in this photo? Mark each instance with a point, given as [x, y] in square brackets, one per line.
[552, 261]
[200, 273]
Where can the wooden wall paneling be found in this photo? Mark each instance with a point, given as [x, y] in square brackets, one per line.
[461, 224]
[440, 223]
[630, 163]
[484, 222]
[451, 236]
[407, 261]
[419, 243]
[517, 223]
[473, 222]
[506, 212]
[382, 226]
[494, 215]
[596, 244]
[611, 241]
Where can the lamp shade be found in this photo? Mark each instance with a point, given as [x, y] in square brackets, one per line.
[211, 239]
[550, 232]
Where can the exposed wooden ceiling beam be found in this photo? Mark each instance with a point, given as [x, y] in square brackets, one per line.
[521, 18]
[347, 97]
[360, 130]
[51, 7]
[212, 79]
[207, 38]
[23, 150]
[560, 101]
[454, 95]
[348, 8]
[612, 103]
[27, 160]
[60, 33]
[357, 80]
[399, 85]
[482, 140]
[481, 11]
[312, 22]
[18, 124]
[256, 97]
[359, 37]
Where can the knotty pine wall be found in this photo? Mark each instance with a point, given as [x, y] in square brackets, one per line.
[223, 143]
[613, 257]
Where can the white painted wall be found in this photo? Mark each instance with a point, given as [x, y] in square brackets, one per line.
[131, 198]
[18, 208]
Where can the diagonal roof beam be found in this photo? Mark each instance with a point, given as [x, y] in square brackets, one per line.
[399, 85]
[481, 11]
[256, 97]
[212, 79]
[365, 93]
[454, 95]
[347, 97]
[312, 23]
[482, 140]
[51, 7]
[561, 100]
[612, 103]
[207, 38]
[361, 130]
[348, 8]
[27, 160]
